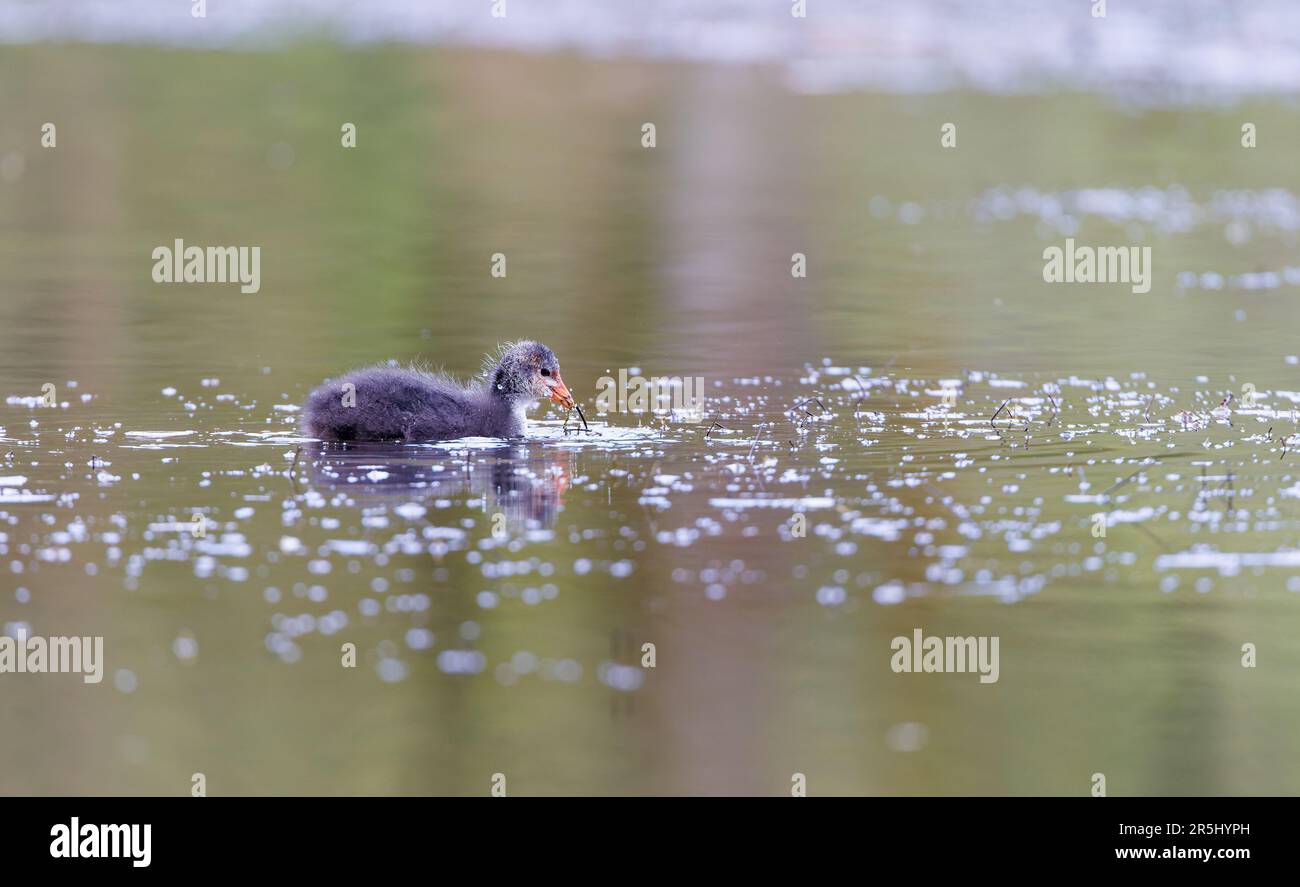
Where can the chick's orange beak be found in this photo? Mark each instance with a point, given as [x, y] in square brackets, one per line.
[560, 392]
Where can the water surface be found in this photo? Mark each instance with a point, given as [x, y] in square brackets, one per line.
[515, 652]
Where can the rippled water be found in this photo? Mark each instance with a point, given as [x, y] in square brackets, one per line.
[1154, 53]
[512, 645]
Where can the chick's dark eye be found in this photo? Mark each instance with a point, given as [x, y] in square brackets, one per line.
[545, 372]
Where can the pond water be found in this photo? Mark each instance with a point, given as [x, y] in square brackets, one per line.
[941, 424]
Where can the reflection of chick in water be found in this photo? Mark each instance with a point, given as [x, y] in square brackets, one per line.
[526, 484]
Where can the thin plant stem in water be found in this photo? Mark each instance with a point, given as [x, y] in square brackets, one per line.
[857, 404]
[750, 457]
[1119, 483]
[293, 470]
[997, 413]
[586, 429]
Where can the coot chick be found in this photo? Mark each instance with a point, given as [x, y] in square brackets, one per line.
[408, 404]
